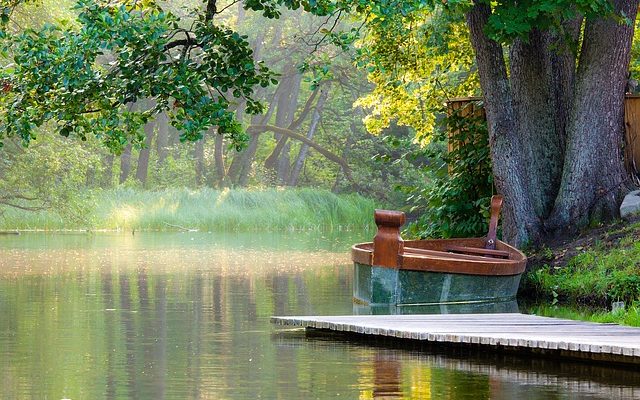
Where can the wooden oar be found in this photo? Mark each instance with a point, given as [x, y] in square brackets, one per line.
[490, 241]
[496, 205]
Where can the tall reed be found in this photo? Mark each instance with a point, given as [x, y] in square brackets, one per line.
[206, 210]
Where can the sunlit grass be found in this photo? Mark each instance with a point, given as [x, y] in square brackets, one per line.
[629, 316]
[595, 276]
[208, 210]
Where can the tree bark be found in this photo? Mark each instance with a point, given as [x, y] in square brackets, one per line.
[346, 169]
[556, 132]
[219, 159]
[353, 127]
[241, 165]
[520, 224]
[287, 104]
[162, 137]
[107, 175]
[594, 179]
[247, 161]
[535, 119]
[282, 146]
[304, 148]
[143, 158]
[125, 164]
[198, 155]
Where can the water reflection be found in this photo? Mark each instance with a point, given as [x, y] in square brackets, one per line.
[386, 382]
[502, 307]
[390, 370]
[167, 317]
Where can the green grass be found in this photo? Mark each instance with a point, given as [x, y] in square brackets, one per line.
[205, 210]
[629, 316]
[596, 276]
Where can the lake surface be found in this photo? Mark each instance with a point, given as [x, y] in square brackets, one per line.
[186, 316]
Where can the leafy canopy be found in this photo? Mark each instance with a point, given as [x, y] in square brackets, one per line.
[89, 76]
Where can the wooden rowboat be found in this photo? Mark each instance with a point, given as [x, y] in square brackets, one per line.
[391, 271]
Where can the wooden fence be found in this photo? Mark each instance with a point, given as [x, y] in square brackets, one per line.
[472, 106]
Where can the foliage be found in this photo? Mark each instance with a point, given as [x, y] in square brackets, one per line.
[207, 210]
[418, 54]
[628, 316]
[510, 20]
[596, 276]
[416, 62]
[174, 164]
[456, 202]
[85, 76]
[54, 173]
[634, 67]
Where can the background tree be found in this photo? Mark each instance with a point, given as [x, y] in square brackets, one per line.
[309, 137]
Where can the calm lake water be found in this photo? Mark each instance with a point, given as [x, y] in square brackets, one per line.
[186, 316]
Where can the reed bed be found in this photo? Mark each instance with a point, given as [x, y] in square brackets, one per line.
[204, 210]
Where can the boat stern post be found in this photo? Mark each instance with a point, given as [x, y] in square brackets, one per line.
[388, 244]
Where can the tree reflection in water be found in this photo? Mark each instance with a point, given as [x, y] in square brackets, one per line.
[164, 317]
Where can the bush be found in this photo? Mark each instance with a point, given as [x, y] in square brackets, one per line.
[456, 201]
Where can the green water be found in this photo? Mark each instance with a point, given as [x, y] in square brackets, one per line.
[186, 316]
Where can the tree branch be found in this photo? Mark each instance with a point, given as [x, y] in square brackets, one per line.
[258, 129]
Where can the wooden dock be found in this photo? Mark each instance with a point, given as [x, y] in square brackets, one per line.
[519, 332]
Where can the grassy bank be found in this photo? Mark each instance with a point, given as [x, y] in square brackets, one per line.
[597, 271]
[628, 316]
[588, 274]
[204, 210]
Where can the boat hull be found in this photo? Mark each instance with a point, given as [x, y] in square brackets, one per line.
[374, 286]
[426, 273]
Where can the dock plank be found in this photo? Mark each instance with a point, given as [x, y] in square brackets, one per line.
[568, 338]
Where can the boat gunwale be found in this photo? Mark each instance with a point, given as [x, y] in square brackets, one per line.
[362, 253]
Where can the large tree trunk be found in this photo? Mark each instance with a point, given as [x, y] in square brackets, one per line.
[556, 133]
[594, 178]
[507, 149]
[535, 120]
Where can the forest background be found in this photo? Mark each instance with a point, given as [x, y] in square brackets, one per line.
[352, 109]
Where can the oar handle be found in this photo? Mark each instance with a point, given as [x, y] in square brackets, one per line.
[388, 244]
[496, 206]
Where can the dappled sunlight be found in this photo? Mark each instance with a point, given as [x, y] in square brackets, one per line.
[125, 215]
[222, 196]
[164, 206]
[195, 252]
